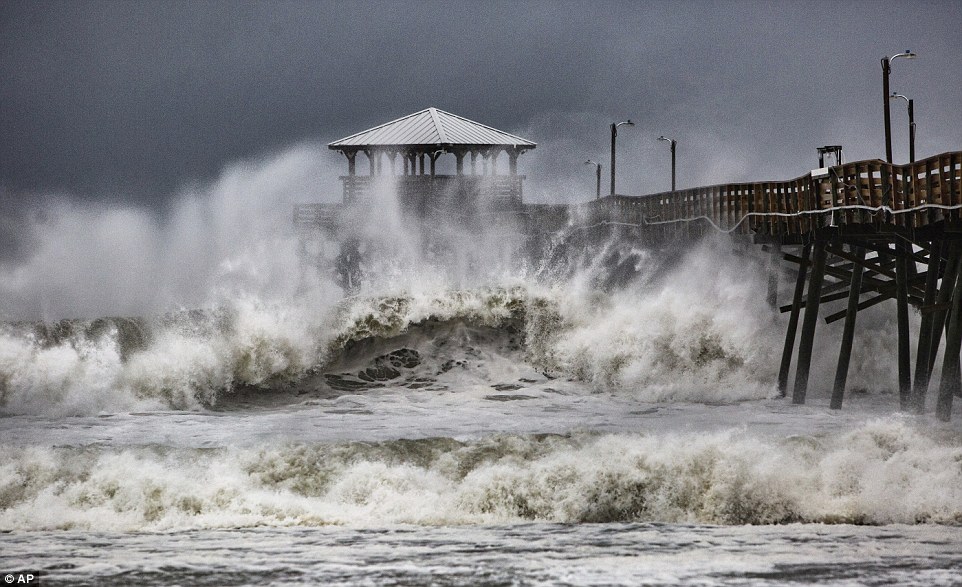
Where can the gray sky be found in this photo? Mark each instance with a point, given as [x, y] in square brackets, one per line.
[131, 101]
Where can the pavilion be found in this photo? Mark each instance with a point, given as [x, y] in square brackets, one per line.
[419, 140]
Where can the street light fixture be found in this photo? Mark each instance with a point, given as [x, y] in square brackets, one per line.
[911, 105]
[614, 134]
[671, 142]
[598, 177]
[886, 69]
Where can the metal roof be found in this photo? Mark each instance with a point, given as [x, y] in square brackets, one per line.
[431, 127]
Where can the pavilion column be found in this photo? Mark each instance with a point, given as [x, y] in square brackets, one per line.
[351, 158]
[421, 164]
[370, 160]
[459, 155]
[474, 162]
[513, 161]
[392, 155]
[406, 162]
[434, 157]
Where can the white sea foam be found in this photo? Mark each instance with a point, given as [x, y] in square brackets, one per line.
[696, 335]
[884, 472]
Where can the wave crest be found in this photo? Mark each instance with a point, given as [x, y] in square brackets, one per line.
[884, 472]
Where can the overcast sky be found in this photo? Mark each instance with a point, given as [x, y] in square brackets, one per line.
[131, 101]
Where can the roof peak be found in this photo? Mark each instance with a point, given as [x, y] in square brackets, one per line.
[431, 127]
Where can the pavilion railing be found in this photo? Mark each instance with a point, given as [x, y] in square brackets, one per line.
[308, 217]
[505, 189]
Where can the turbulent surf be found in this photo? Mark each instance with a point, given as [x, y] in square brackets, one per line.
[592, 402]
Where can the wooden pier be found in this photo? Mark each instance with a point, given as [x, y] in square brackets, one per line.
[860, 233]
[862, 230]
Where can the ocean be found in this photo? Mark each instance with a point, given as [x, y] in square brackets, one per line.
[605, 416]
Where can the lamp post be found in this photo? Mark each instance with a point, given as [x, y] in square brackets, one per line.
[614, 135]
[597, 176]
[886, 69]
[911, 105]
[671, 142]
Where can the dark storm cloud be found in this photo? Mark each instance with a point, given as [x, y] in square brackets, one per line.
[133, 99]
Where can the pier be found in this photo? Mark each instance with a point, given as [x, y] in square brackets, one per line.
[854, 235]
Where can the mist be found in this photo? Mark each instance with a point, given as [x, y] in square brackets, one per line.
[231, 237]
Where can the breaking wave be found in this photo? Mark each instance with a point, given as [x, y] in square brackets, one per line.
[695, 335]
[678, 341]
[886, 471]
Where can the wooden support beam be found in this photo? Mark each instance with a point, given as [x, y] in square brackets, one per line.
[861, 306]
[809, 323]
[922, 370]
[833, 291]
[848, 333]
[847, 275]
[826, 298]
[902, 317]
[944, 297]
[772, 297]
[883, 250]
[864, 263]
[793, 323]
[915, 294]
[951, 383]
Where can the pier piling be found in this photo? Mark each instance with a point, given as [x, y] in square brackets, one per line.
[809, 322]
[848, 335]
[793, 321]
[951, 383]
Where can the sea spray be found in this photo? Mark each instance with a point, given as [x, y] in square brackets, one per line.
[230, 237]
[693, 337]
[621, 317]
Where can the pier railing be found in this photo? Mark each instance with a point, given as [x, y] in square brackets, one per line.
[862, 192]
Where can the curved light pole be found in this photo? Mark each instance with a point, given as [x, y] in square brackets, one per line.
[886, 69]
[598, 176]
[671, 142]
[614, 135]
[911, 105]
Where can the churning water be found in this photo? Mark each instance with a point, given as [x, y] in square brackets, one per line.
[467, 419]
